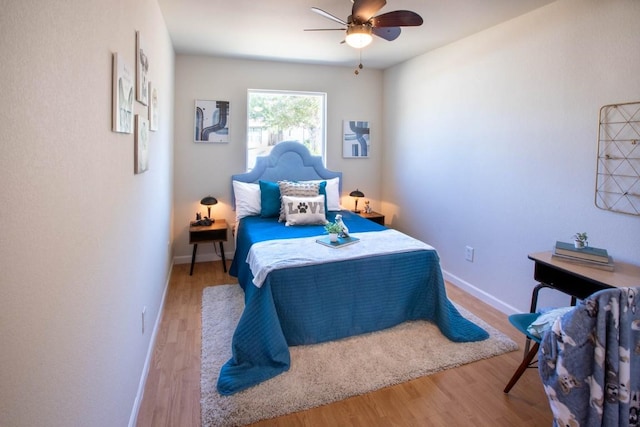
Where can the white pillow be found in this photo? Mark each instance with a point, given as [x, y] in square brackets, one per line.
[247, 199]
[304, 210]
[333, 192]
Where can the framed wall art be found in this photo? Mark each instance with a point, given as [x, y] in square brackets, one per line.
[122, 90]
[211, 121]
[141, 151]
[355, 139]
[142, 71]
[153, 107]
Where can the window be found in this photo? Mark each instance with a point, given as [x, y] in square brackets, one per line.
[276, 116]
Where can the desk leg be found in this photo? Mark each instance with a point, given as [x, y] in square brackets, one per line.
[224, 261]
[193, 258]
[534, 296]
[533, 309]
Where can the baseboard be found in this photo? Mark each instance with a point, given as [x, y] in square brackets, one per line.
[480, 294]
[147, 362]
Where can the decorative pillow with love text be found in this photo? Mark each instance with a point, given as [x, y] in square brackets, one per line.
[297, 189]
[304, 210]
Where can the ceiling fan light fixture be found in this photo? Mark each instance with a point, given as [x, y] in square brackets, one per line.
[358, 36]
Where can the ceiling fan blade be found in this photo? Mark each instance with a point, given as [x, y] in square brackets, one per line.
[325, 29]
[398, 18]
[328, 15]
[363, 10]
[387, 33]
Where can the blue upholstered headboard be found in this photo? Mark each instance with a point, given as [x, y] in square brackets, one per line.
[288, 160]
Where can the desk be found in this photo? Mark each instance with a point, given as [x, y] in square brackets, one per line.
[216, 232]
[576, 280]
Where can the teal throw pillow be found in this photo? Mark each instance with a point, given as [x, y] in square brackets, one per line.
[269, 199]
[322, 190]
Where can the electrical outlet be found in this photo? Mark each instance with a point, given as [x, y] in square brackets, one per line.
[144, 311]
[468, 253]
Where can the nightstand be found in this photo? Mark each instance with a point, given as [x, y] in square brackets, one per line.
[373, 216]
[214, 233]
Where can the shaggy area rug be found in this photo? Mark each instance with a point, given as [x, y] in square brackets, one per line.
[327, 372]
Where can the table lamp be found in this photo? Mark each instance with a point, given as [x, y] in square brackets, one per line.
[208, 202]
[356, 194]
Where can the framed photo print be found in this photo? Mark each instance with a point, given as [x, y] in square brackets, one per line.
[153, 107]
[355, 139]
[142, 71]
[122, 90]
[211, 121]
[141, 152]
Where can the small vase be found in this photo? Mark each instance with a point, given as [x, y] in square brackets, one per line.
[579, 244]
[333, 237]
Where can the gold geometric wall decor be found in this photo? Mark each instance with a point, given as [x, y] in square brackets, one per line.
[618, 171]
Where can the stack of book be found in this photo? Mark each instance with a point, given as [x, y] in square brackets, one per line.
[587, 256]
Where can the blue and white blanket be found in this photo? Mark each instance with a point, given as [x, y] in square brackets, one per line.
[265, 257]
[589, 361]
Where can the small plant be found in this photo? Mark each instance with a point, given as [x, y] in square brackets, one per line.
[580, 237]
[332, 227]
[580, 240]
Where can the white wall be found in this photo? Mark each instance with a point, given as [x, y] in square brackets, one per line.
[84, 242]
[203, 169]
[491, 142]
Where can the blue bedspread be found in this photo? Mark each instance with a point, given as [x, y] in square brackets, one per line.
[312, 304]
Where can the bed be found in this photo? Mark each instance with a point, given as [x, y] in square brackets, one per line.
[298, 292]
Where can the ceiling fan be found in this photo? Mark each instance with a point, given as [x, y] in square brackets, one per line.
[362, 23]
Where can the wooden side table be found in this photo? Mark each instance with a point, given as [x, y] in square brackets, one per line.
[214, 233]
[373, 216]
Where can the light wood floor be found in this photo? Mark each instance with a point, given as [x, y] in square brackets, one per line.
[470, 395]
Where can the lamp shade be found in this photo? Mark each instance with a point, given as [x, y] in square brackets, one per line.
[356, 193]
[358, 36]
[208, 201]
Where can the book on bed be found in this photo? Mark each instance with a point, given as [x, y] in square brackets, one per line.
[340, 243]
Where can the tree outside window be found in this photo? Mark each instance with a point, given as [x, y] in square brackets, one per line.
[276, 116]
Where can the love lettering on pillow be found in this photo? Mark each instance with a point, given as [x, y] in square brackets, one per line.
[296, 189]
[304, 210]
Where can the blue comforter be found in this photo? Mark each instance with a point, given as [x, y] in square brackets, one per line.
[313, 304]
